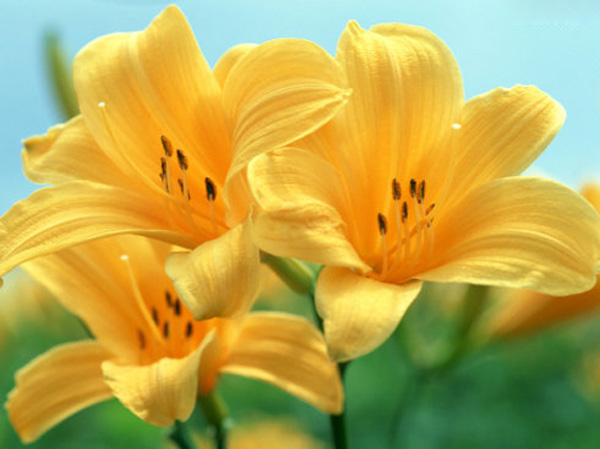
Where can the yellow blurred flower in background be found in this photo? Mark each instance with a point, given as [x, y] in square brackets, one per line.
[410, 183]
[160, 149]
[150, 353]
[523, 312]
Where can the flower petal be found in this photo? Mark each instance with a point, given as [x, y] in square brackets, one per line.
[300, 202]
[220, 277]
[277, 93]
[229, 59]
[161, 392]
[288, 352]
[56, 385]
[526, 311]
[153, 83]
[522, 233]
[406, 94]
[70, 213]
[502, 132]
[69, 152]
[359, 313]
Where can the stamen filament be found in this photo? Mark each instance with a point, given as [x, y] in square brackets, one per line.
[139, 301]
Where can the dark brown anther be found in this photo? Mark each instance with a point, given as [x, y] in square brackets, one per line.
[168, 298]
[163, 168]
[429, 209]
[413, 188]
[211, 191]
[404, 211]
[421, 192]
[166, 329]
[180, 182]
[177, 307]
[183, 162]
[382, 221]
[141, 338]
[189, 328]
[155, 315]
[167, 146]
[396, 192]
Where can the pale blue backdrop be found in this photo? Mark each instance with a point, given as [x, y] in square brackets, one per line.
[553, 44]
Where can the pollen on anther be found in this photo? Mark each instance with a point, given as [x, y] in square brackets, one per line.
[167, 145]
[429, 208]
[421, 192]
[413, 188]
[183, 162]
[166, 329]
[177, 307]
[396, 192]
[168, 298]
[189, 328]
[382, 221]
[211, 191]
[155, 315]
[404, 211]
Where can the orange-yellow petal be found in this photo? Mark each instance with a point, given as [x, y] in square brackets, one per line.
[69, 152]
[406, 94]
[220, 278]
[359, 313]
[290, 353]
[525, 311]
[55, 386]
[301, 207]
[502, 132]
[161, 392]
[522, 233]
[277, 93]
[70, 213]
[153, 83]
[228, 60]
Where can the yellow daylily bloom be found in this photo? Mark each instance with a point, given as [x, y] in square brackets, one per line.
[149, 352]
[161, 147]
[409, 183]
[523, 312]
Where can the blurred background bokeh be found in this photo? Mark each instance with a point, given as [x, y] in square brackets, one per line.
[541, 389]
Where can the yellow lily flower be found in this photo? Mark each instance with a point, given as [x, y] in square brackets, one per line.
[160, 150]
[410, 183]
[149, 352]
[523, 312]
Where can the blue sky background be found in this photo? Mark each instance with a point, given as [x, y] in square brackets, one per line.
[551, 43]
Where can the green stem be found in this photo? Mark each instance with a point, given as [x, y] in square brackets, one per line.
[216, 414]
[338, 422]
[295, 274]
[180, 435]
[60, 76]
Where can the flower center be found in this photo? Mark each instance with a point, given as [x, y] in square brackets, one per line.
[412, 240]
[166, 175]
[167, 328]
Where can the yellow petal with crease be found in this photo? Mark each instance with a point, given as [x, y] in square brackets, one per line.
[288, 352]
[277, 93]
[502, 132]
[152, 83]
[522, 233]
[55, 386]
[228, 60]
[161, 392]
[69, 152]
[303, 208]
[220, 278]
[359, 313]
[91, 282]
[65, 215]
